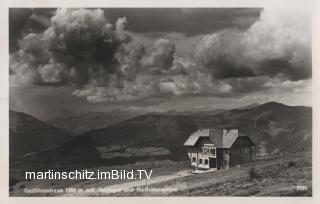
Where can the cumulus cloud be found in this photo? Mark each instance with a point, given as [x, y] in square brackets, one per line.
[78, 45]
[129, 58]
[52, 72]
[160, 55]
[118, 91]
[278, 43]
[186, 77]
[105, 63]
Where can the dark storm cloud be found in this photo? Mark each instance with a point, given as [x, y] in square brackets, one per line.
[190, 21]
[84, 48]
[78, 45]
[17, 22]
[272, 67]
[92, 49]
[249, 84]
[25, 20]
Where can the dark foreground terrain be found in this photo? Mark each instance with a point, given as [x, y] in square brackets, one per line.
[274, 175]
[277, 175]
[270, 176]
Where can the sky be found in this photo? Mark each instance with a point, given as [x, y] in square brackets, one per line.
[71, 61]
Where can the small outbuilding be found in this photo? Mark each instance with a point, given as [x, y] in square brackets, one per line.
[215, 149]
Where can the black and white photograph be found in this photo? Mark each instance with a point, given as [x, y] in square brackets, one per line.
[160, 102]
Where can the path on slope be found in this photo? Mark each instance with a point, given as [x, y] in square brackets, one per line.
[116, 188]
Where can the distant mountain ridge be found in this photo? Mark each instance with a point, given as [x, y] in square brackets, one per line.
[274, 127]
[93, 120]
[79, 124]
[252, 105]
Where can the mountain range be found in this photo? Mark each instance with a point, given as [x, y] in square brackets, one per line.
[93, 120]
[274, 128]
[78, 124]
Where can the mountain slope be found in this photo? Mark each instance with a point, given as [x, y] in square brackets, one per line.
[274, 127]
[252, 105]
[90, 121]
[28, 134]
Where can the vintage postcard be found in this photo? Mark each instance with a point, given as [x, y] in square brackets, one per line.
[165, 102]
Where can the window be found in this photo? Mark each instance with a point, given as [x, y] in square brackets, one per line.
[200, 161]
[245, 150]
[193, 159]
[206, 161]
[206, 150]
[212, 151]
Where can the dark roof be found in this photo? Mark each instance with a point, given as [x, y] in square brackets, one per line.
[221, 138]
[193, 138]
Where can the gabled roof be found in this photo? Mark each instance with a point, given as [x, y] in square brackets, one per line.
[193, 138]
[221, 138]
